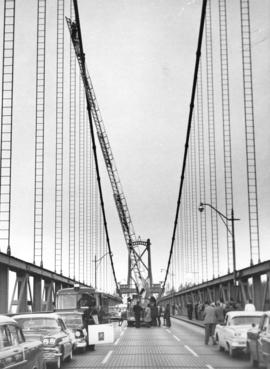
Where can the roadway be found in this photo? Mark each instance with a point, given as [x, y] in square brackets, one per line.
[181, 346]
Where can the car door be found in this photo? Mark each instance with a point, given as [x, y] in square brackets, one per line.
[32, 351]
[67, 345]
[13, 353]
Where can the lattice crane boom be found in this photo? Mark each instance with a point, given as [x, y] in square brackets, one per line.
[137, 268]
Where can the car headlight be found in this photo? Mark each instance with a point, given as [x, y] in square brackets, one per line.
[49, 341]
[78, 334]
[237, 334]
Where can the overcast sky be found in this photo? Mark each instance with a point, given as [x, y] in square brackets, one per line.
[141, 57]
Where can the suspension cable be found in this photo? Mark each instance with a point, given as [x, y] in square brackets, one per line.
[94, 143]
[198, 55]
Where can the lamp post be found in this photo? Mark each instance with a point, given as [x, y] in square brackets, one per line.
[232, 220]
[98, 261]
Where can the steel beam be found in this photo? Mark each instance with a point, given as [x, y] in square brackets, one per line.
[4, 284]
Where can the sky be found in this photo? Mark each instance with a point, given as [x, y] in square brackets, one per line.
[141, 57]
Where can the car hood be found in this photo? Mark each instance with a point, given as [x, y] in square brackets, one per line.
[39, 335]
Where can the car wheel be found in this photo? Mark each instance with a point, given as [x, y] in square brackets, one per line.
[253, 362]
[70, 356]
[221, 348]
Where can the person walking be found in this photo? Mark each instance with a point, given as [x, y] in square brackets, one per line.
[167, 315]
[147, 316]
[154, 314]
[137, 309]
[250, 306]
[219, 312]
[159, 315]
[209, 317]
[189, 310]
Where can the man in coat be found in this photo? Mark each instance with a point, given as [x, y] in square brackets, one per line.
[137, 309]
[209, 319]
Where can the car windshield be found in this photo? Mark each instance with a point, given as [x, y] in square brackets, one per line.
[72, 319]
[245, 320]
[36, 324]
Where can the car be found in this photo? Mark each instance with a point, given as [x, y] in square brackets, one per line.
[231, 335]
[74, 321]
[258, 341]
[51, 330]
[15, 352]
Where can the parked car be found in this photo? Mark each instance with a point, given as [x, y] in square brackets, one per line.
[51, 330]
[74, 322]
[231, 335]
[14, 351]
[259, 342]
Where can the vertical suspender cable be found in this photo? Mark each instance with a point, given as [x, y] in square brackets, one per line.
[81, 181]
[6, 123]
[194, 204]
[198, 54]
[88, 229]
[226, 125]
[39, 139]
[59, 137]
[72, 154]
[211, 140]
[250, 134]
[201, 155]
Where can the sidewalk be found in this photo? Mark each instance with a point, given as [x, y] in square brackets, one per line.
[199, 323]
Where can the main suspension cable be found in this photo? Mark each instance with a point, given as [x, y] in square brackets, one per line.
[198, 54]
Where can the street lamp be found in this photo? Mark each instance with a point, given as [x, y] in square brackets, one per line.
[98, 261]
[232, 219]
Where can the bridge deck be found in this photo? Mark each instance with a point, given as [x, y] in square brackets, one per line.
[181, 346]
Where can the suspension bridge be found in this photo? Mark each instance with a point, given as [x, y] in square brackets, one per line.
[115, 112]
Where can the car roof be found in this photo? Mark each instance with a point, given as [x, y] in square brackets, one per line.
[37, 315]
[235, 313]
[5, 319]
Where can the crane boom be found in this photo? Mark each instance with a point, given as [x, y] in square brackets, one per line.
[137, 267]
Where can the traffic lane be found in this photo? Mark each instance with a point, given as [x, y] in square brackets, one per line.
[192, 336]
[139, 348]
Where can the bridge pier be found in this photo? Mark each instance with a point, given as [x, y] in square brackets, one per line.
[37, 294]
[257, 292]
[4, 284]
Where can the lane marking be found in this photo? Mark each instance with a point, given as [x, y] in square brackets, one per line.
[190, 350]
[168, 331]
[209, 366]
[177, 338]
[117, 341]
[121, 334]
[104, 361]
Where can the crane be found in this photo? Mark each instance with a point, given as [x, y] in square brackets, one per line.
[139, 269]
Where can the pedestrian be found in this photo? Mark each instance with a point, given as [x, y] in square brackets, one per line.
[189, 310]
[167, 315]
[196, 310]
[137, 309]
[147, 316]
[219, 312]
[250, 306]
[154, 314]
[159, 310]
[209, 322]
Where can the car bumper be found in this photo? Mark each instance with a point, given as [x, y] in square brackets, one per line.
[239, 345]
[80, 343]
[51, 355]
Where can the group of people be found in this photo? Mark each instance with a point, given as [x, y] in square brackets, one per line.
[151, 315]
[214, 313]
